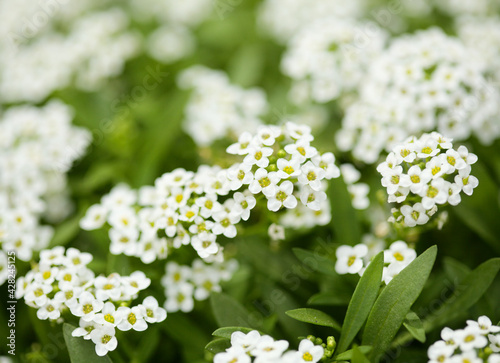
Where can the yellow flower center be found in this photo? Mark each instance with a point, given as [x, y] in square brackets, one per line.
[109, 318]
[351, 260]
[398, 256]
[307, 357]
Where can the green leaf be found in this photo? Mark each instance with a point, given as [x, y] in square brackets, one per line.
[455, 270]
[358, 356]
[315, 317]
[218, 345]
[362, 301]
[344, 218]
[466, 294]
[329, 299]
[347, 355]
[229, 312]
[415, 326]
[315, 261]
[81, 350]
[226, 332]
[395, 301]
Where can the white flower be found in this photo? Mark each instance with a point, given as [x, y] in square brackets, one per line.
[359, 194]
[259, 156]
[267, 135]
[49, 311]
[179, 297]
[239, 174]
[399, 253]
[418, 178]
[310, 352]
[242, 147]
[247, 342]
[224, 223]
[450, 337]
[349, 173]
[76, 258]
[85, 328]
[94, 218]
[471, 337]
[435, 193]
[392, 179]
[466, 182]
[104, 340]
[264, 182]
[206, 283]
[36, 294]
[108, 287]
[245, 202]
[282, 197]
[123, 241]
[440, 352]
[484, 324]
[188, 213]
[414, 215]
[232, 355]
[109, 315]
[276, 232]
[151, 311]
[311, 176]
[467, 357]
[494, 358]
[288, 168]
[132, 318]
[438, 166]
[301, 150]
[350, 259]
[312, 199]
[205, 244]
[268, 349]
[87, 306]
[175, 274]
[326, 162]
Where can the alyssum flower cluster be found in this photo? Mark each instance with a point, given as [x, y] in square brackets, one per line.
[478, 342]
[425, 172]
[197, 208]
[62, 283]
[253, 347]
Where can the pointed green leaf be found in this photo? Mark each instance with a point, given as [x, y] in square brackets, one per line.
[218, 345]
[228, 331]
[229, 312]
[414, 326]
[347, 355]
[81, 350]
[362, 301]
[395, 301]
[358, 356]
[329, 299]
[314, 316]
[315, 261]
[466, 294]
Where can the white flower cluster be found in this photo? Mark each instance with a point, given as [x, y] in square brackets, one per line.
[330, 57]
[217, 108]
[281, 163]
[422, 173]
[95, 47]
[355, 259]
[185, 284]
[423, 82]
[483, 35]
[253, 347]
[283, 18]
[185, 208]
[476, 343]
[37, 147]
[62, 281]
